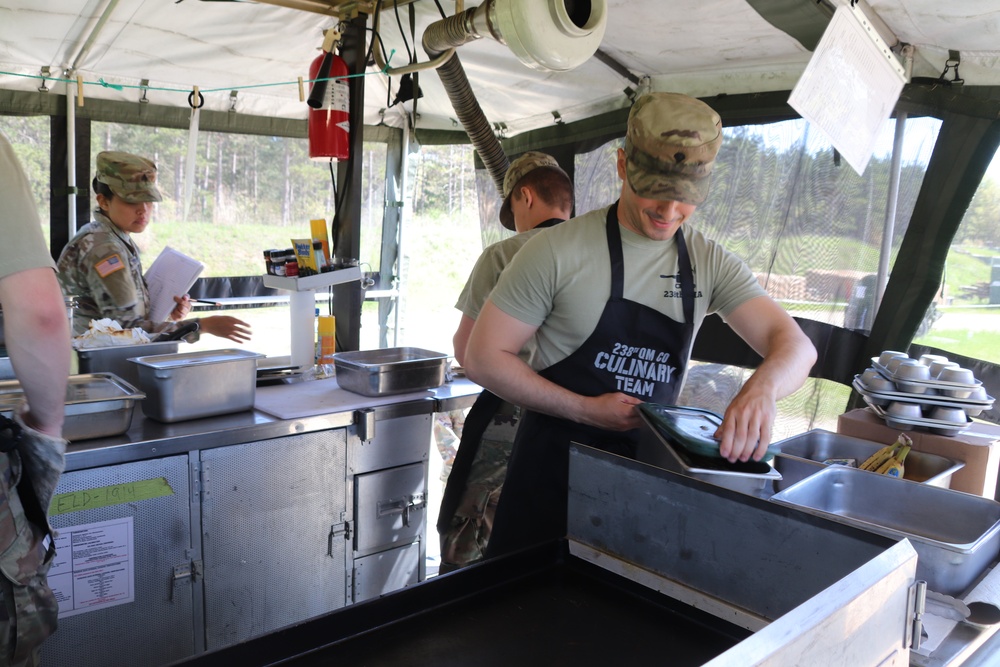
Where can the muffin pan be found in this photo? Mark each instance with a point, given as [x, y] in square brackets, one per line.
[900, 391]
[883, 397]
[944, 387]
[908, 423]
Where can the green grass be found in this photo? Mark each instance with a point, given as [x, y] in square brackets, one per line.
[226, 250]
[978, 344]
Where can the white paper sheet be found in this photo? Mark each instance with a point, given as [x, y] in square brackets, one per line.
[850, 86]
[171, 274]
[94, 566]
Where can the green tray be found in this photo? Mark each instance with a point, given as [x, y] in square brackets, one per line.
[691, 429]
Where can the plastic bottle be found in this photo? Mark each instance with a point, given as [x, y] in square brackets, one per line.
[321, 264]
[327, 330]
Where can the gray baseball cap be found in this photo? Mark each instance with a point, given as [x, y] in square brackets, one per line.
[131, 178]
[670, 147]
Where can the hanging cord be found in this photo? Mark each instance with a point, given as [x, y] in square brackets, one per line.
[227, 89]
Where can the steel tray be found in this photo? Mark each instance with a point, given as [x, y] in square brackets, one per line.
[192, 385]
[956, 535]
[906, 423]
[805, 454]
[928, 399]
[98, 405]
[115, 358]
[394, 370]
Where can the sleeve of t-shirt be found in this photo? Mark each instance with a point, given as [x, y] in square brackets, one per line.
[109, 281]
[24, 246]
[525, 289]
[480, 283]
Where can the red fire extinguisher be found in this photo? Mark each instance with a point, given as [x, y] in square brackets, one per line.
[329, 101]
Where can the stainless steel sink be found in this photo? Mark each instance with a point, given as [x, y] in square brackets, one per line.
[956, 535]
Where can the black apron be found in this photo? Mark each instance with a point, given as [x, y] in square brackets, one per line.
[631, 350]
[480, 415]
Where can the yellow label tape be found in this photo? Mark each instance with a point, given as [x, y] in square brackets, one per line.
[105, 496]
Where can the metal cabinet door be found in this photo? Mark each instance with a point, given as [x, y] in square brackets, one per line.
[275, 552]
[396, 442]
[386, 571]
[390, 507]
[159, 626]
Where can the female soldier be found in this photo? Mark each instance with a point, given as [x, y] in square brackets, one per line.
[101, 267]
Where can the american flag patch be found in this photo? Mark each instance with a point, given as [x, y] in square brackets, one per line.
[109, 265]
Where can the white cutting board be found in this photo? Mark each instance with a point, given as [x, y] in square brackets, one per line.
[321, 397]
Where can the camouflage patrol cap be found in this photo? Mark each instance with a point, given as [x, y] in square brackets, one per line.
[517, 170]
[131, 178]
[670, 147]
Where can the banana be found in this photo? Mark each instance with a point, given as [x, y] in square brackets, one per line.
[895, 468]
[878, 458]
[884, 455]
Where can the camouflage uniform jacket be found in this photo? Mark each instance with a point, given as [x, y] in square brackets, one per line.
[101, 267]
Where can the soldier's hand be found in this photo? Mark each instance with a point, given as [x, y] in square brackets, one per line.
[182, 308]
[615, 412]
[225, 326]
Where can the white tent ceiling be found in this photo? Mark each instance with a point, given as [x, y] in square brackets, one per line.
[260, 50]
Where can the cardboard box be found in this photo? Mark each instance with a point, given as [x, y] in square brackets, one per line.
[980, 454]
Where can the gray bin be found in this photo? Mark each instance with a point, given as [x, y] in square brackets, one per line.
[394, 370]
[197, 384]
[956, 535]
[115, 359]
[803, 455]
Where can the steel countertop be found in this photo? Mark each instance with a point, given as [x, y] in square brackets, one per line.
[147, 438]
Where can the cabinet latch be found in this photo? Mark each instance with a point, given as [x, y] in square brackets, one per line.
[191, 570]
[337, 530]
[364, 421]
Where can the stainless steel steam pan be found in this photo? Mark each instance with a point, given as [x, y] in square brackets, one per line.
[191, 385]
[394, 370]
[98, 405]
[956, 535]
[115, 358]
[805, 454]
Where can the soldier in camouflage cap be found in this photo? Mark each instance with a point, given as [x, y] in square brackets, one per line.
[537, 195]
[130, 177]
[670, 147]
[611, 301]
[544, 176]
[100, 266]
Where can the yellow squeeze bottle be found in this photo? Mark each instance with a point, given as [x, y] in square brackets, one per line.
[327, 331]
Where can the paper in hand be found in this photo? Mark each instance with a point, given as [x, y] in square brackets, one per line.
[171, 274]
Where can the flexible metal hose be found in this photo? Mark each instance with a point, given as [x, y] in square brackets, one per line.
[439, 37]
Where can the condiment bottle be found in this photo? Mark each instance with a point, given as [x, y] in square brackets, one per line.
[327, 329]
[321, 264]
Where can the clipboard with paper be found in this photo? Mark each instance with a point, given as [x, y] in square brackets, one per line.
[171, 274]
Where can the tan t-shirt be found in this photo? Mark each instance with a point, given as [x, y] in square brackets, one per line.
[487, 270]
[560, 281]
[23, 244]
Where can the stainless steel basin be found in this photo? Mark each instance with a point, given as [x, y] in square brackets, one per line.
[805, 454]
[956, 535]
